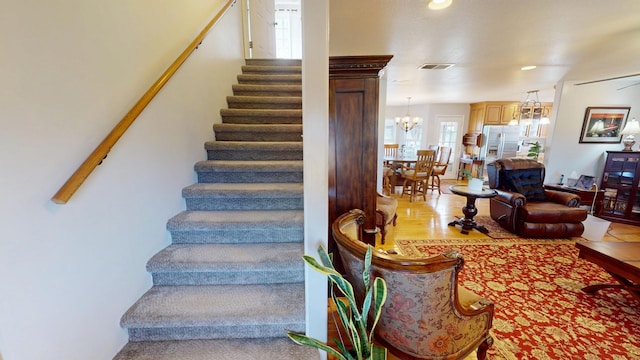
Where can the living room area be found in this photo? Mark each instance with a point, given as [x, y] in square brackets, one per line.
[535, 284]
[528, 278]
[71, 272]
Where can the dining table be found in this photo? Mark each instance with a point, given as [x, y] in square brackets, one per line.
[396, 163]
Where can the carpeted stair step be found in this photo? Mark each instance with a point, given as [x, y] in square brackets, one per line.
[248, 150]
[259, 78]
[264, 102]
[267, 90]
[261, 116]
[253, 196]
[248, 171]
[223, 349]
[273, 62]
[269, 226]
[270, 69]
[262, 132]
[216, 312]
[232, 282]
[218, 264]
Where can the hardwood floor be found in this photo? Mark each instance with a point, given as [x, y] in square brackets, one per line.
[429, 220]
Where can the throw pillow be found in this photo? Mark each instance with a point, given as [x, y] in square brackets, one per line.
[527, 182]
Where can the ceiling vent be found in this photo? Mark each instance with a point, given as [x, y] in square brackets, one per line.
[435, 66]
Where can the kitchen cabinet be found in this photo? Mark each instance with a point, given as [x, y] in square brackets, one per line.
[501, 113]
[508, 113]
[620, 180]
[492, 114]
[476, 115]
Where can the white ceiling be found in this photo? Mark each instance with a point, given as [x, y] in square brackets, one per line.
[489, 41]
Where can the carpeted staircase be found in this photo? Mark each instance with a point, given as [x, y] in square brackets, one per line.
[232, 281]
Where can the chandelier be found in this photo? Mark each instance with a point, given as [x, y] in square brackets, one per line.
[529, 110]
[408, 123]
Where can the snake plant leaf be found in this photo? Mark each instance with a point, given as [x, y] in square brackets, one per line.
[354, 319]
[343, 285]
[343, 349]
[344, 313]
[353, 328]
[366, 304]
[378, 353]
[308, 341]
[366, 272]
[380, 297]
[313, 263]
[325, 258]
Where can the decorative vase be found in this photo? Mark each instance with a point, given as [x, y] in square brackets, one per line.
[475, 184]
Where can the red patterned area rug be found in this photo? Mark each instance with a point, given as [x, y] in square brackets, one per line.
[540, 311]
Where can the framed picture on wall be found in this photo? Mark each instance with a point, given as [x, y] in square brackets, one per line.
[603, 124]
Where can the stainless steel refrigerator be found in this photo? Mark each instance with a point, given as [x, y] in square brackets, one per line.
[499, 142]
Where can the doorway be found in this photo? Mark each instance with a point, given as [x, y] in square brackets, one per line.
[448, 132]
[273, 29]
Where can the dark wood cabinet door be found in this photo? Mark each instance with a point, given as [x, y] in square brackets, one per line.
[353, 129]
[621, 185]
[353, 138]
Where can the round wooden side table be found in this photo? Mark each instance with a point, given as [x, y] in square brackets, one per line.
[469, 210]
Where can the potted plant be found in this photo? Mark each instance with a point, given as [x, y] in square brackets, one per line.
[354, 319]
[534, 150]
[475, 184]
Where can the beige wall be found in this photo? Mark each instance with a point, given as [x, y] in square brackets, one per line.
[70, 70]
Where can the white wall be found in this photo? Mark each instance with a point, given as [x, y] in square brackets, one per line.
[428, 113]
[70, 70]
[382, 108]
[563, 152]
[315, 112]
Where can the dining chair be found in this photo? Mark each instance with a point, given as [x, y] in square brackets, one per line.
[436, 148]
[440, 167]
[388, 170]
[416, 179]
[390, 151]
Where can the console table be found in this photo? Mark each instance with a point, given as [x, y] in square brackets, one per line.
[620, 259]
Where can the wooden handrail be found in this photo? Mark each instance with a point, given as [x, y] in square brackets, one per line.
[80, 175]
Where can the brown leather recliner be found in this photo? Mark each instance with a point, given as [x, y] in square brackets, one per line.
[525, 208]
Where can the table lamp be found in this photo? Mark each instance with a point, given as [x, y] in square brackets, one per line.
[632, 127]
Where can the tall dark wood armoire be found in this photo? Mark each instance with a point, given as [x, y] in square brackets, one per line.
[353, 138]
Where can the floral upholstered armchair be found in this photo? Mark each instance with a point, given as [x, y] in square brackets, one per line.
[427, 315]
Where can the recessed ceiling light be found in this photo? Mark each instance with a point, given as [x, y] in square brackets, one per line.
[529, 67]
[439, 4]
